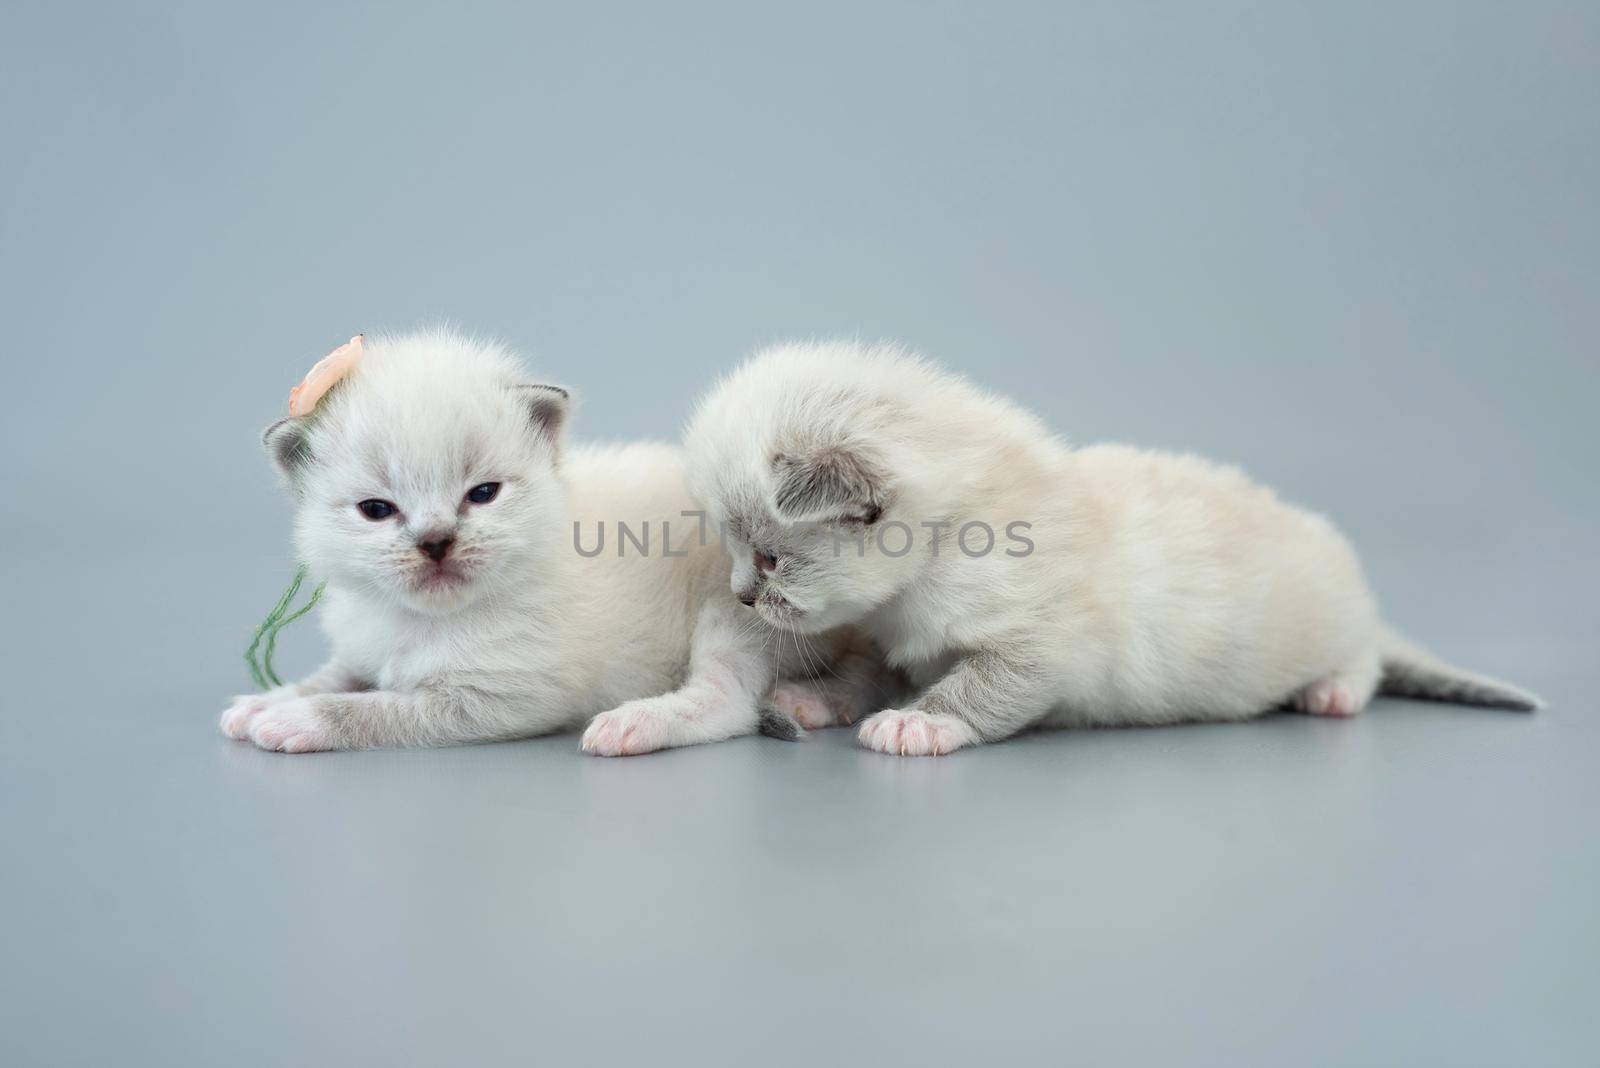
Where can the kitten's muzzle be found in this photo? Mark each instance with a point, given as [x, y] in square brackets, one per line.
[777, 609]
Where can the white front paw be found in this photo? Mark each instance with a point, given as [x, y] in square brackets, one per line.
[914, 732]
[636, 727]
[292, 726]
[237, 716]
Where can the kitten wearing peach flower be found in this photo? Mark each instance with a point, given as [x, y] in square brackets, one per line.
[862, 485]
[438, 500]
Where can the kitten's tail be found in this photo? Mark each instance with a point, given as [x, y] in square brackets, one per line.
[1411, 671]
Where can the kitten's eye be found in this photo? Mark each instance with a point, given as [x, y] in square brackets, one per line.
[872, 516]
[375, 509]
[484, 493]
[765, 561]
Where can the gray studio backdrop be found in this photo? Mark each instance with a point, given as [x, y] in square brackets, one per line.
[1353, 247]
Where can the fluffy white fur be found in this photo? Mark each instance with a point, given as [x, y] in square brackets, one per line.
[1159, 588]
[513, 632]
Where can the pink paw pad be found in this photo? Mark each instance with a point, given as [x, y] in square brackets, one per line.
[290, 727]
[628, 730]
[914, 733]
[1328, 697]
[807, 706]
[236, 718]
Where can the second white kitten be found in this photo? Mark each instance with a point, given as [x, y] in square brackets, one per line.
[1021, 582]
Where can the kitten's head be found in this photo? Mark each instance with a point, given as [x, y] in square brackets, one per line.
[807, 456]
[428, 473]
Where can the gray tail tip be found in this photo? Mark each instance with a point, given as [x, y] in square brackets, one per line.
[1522, 701]
[1495, 694]
[775, 723]
[1411, 671]
[1430, 682]
[1505, 701]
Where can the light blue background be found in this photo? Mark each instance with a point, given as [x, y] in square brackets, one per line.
[1354, 247]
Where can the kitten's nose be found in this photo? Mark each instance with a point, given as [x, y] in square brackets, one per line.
[436, 549]
[747, 599]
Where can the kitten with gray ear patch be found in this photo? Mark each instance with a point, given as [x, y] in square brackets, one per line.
[1022, 583]
[438, 499]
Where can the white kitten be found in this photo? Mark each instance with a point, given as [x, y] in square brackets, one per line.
[1021, 582]
[465, 600]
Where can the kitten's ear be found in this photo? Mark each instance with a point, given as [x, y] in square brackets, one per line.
[289, 445]
[826, 483]
[547, 409]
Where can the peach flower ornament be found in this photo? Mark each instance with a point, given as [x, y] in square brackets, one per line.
[321, 378]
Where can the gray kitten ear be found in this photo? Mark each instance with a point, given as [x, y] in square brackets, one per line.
[288, 444]
[826, 483]
[547, 408]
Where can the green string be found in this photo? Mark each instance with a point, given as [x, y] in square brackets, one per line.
[266, 625]
[262, 673]
[272, 635]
